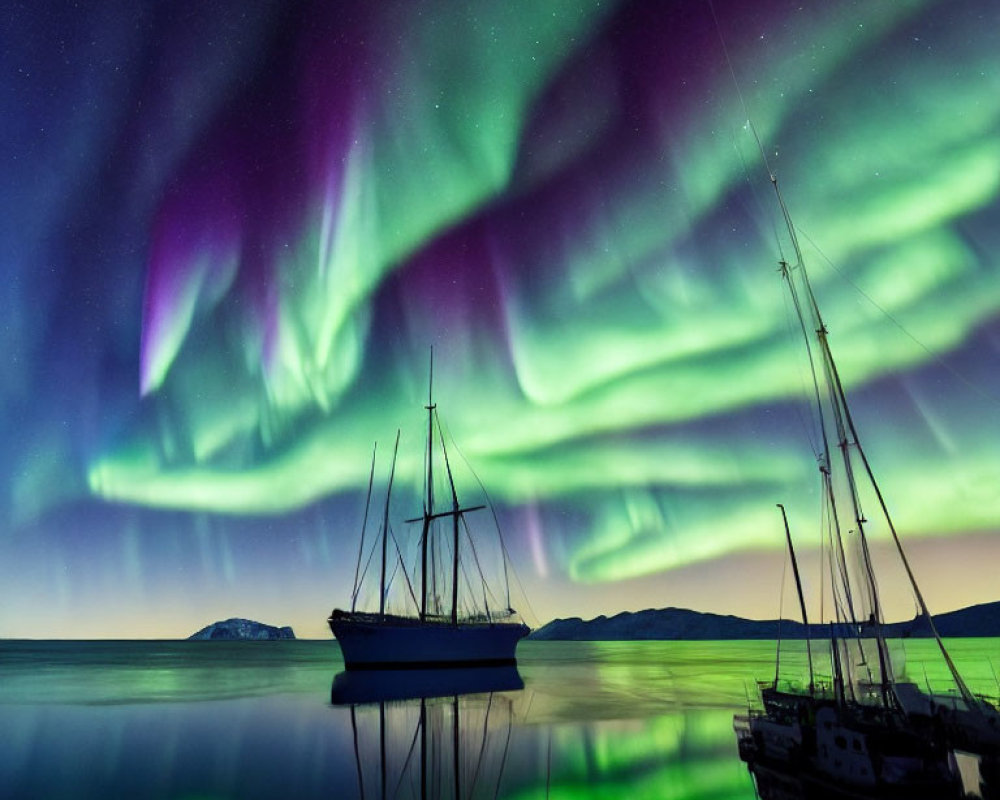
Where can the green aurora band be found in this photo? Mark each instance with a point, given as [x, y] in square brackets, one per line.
[625, 351]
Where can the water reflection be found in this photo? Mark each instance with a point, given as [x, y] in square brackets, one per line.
[356, 687]
[979, 778]
[782, 782]
[430, 733]
[606, 720]
[254, 720]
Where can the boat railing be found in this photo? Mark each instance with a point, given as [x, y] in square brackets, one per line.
[374, 617]
[819, 689]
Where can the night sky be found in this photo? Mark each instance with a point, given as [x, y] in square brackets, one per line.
[231, 233]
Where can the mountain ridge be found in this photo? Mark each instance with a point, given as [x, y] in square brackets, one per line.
[681, 624]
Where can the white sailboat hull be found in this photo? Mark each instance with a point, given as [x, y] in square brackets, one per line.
[368, 642]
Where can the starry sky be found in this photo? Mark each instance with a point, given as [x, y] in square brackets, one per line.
[232, 233]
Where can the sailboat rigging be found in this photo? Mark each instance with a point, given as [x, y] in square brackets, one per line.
[431, 636]
[867, 728]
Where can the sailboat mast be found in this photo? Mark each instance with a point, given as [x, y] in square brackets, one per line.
[837, 406]
[963, 688]
[364, 525]
[802, 600]
[385, 532]
[838, 670]
[825, 464]
[454, 567]
[456, 512]
[845, 425]
[429, 501]
[837, 399]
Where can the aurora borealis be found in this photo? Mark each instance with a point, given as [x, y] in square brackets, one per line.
[232, 232]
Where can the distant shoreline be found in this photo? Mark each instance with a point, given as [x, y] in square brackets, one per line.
[681, 624]
[676, 624]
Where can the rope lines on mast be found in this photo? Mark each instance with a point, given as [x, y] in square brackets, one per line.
[506, 750]
[409, 756]
[482, 746]
[402, 566]
[456, 514]
[482, 577]
[802, 599]
[757, 201]
[508, 563]
[385, 529]
[429, 489]
[966, 693]
[843, 425]
[364, 526]
[976, 388]
[368, 562]
[781, 613]
[811, 426]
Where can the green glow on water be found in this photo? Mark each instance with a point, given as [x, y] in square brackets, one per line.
[692, 780]
[600, 719]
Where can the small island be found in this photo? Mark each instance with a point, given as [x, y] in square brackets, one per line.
[242, 629]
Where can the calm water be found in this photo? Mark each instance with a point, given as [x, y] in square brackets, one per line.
[255, 719]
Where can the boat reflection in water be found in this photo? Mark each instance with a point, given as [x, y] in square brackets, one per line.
[429, 733]
[358, 687]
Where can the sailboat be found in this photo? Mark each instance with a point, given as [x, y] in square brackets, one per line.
[431, 634]
[864, 731]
